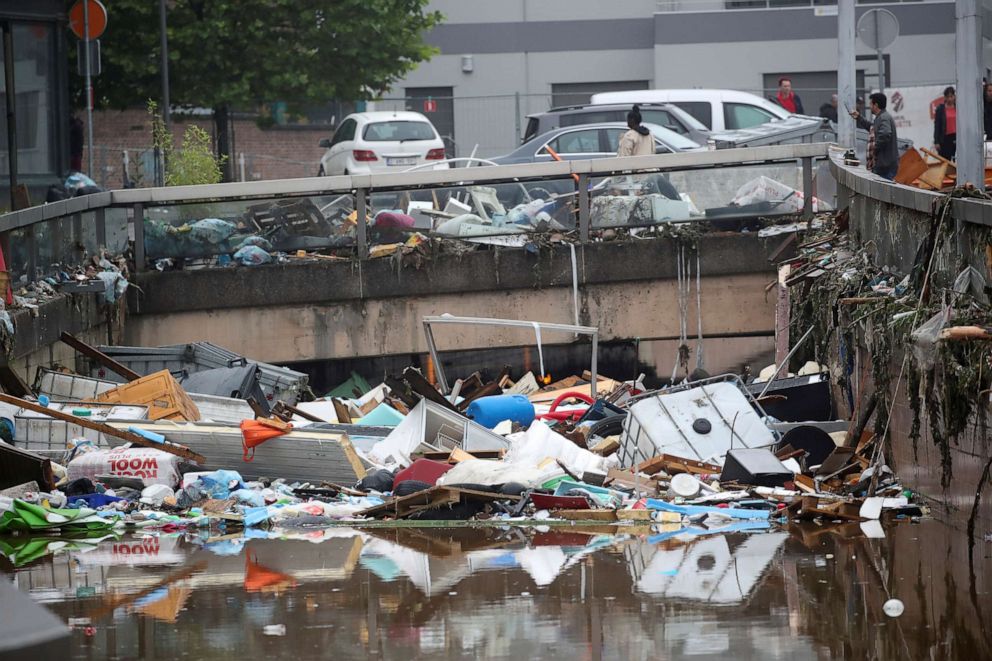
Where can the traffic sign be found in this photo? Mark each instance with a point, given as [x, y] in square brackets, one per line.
[878, 28]
[97, 18]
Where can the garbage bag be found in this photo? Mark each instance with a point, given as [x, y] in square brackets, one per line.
[924, 338]
[407, 487]
[380, 480]
[252, 256]
[255, 240]
[211, 230]
[114, 283]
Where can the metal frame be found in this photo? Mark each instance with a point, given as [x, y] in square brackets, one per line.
[513, 323]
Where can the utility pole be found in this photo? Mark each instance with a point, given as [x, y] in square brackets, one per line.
[845, 73]
[166, 113]
[8, 69]
[89, 89]
[968, 53]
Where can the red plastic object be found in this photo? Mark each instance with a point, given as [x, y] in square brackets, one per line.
[423, 470]
[554, 414]
[547, 502]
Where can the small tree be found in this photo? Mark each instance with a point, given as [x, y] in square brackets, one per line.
[194, 163]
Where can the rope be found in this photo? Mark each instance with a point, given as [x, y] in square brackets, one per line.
[700, 362]
[540, 351]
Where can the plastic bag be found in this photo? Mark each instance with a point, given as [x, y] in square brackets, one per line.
[924, 338]
[211, 230]
[252, 256]
[255, 240]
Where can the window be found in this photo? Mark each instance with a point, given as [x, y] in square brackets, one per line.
[592, 117]
[577, 94]
[701, 110]
[613, 139]
[663, 118]
[531, 130]
[36, 101]
[744, 115]
[345, 132]
[397, 131]
[577, 142]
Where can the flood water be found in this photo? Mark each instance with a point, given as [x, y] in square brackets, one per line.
[809, 592]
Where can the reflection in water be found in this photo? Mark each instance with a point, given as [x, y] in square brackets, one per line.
[803, 593]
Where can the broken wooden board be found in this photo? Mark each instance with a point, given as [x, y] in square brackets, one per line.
[634, 515]
[607, 446]
[436, 496]
[813, 507]
[673, 465]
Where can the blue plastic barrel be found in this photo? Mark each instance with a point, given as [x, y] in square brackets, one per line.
[490, 411]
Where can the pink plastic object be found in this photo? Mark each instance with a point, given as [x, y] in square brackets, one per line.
[423, 470]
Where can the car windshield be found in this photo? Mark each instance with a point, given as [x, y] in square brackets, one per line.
[395, 131]
[671, 138]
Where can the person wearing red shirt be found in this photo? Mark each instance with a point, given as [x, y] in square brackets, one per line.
[787, 98]
[945, 120]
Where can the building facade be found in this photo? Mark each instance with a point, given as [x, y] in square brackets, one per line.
[499, 61]
[38, 29]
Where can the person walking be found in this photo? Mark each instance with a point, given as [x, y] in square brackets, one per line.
[883, 142]
[637, 141]
[787, 98]
[945, 123]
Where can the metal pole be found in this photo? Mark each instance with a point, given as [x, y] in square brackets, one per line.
[968, 49]
[164, 40]
[881, 65]
[8, 68]
[89, 89]
[516, 114]
[845, 72]
[583, 208]
[807, 188]
[360, 224]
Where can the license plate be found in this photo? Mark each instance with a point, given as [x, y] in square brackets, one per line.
[406, 160]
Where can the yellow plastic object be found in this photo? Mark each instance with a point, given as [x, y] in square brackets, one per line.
[160, 392]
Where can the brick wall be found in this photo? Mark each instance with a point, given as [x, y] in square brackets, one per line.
[271, 153]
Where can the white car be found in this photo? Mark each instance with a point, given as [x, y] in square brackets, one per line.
[384, 141]
[719, 110]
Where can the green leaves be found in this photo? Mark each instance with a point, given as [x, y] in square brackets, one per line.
[249, 52]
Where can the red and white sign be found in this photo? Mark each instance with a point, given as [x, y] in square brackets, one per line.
[97, 18]
[430, 105]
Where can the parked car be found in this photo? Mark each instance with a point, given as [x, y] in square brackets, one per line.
[591, 141]
[667, 115]
[719, 110]
[387, 141]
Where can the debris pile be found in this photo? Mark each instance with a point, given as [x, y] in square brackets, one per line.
[696, 456]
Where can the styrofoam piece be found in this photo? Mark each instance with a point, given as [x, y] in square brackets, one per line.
[539, 443]
[684, 485]
[871, 509]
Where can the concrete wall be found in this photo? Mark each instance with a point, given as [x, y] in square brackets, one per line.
[317, 311]
[893, 221]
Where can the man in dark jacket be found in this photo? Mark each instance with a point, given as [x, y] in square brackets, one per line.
[987, 100]
[787, 98]
[945, 122]
[883, 145]
[829, 110]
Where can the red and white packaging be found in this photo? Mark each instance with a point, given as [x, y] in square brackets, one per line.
[151, 465]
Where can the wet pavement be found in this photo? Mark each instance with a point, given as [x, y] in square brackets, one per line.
[809, 592]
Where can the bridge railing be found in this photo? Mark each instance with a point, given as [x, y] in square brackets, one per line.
[209, 222]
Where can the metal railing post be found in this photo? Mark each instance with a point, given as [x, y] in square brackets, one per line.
[138, 227]
[77, 243]
[100, 219]
[30, 240]
[360, 208]
[583, 208]
[807, 188]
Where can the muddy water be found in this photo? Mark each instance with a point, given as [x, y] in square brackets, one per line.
[811, 592]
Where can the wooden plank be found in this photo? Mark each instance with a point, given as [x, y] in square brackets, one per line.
[99, 356]
[171, 448]
[634, 515]
[422, 387]
[672, 465]
[433, 497]
[12, 382]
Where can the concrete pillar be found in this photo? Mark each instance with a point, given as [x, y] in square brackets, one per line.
[846, 92]
[968, 53]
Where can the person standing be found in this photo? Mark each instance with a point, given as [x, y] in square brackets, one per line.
[829, 110]
[987, 101]
[883, 143]
[787, 98]
[945, 123]
[637, 141]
